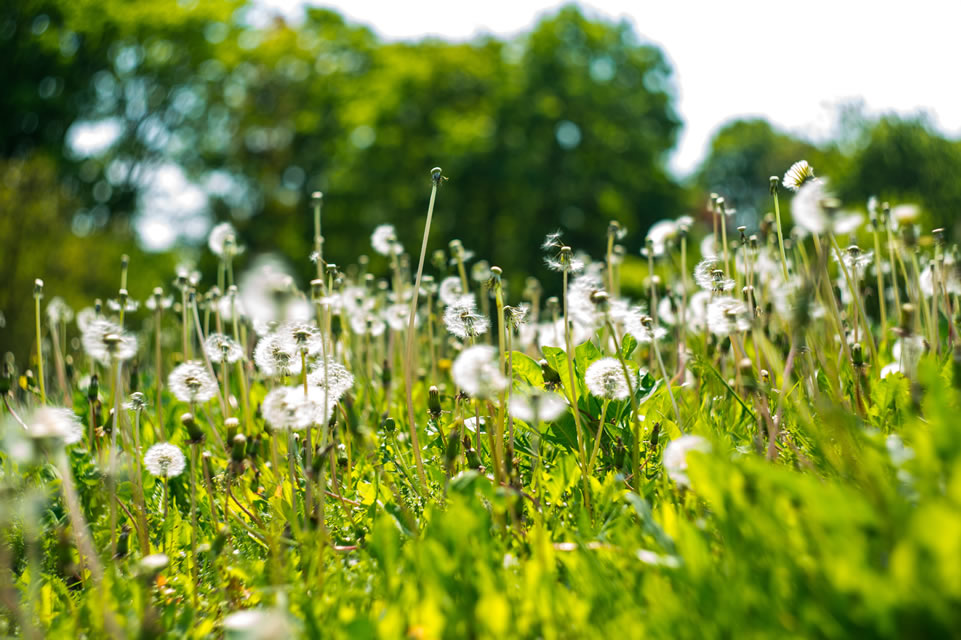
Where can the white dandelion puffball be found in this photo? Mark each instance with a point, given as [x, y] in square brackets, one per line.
[332, 376]
[659, 236]
[190, 382]
[537, 407]
[462, 320]
[727, 315]
[107, 342]
[58, 311]
[450, 290]
[220, 347]
[257, 624]
[799, 173]
[276, 355]
[55, 423]
[291, 408]
[675, 456]
[384, 240]
[605, 379]
[219, 235]
[397, 317]
[164, 460]
[476, 371]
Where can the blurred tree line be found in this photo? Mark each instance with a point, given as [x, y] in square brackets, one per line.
[206, 114]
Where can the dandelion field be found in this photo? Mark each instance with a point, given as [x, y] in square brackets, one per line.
[760, 445]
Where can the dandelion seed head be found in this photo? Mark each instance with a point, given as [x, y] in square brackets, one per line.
[220, 347]
[384, 240]
[335, 378]
[190, 382]
[675, 457]
[462, 320]
[451, 289]
[164, 460]
[106, 342]
[537, 406]
[397, 317]
[726, 315]
[58, 311]
[276, 354]
[220, 237]
[799, 173]
[136, 402]
[605, 379]
[56, 424]
[476, 371]
[291, 408]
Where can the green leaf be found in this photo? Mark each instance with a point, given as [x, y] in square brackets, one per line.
[628, 344]
[526, 368]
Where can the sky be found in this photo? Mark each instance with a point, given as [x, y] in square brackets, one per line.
[793, 63]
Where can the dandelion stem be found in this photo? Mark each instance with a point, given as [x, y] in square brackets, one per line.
[40, 379]
[409, 355]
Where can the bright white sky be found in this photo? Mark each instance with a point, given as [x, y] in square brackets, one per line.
[790, 62]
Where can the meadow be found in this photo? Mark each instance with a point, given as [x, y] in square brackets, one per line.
[763, 444]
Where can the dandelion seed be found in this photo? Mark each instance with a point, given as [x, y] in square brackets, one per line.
[605, 379]
[220, 347]
[675, 457]
[726, 315]
[462, 320]
[552, 241]
[190, 382]
[106, 342]
[477, 372]
[384, 240]
[164, 460]
[276, 355]
[56, 424]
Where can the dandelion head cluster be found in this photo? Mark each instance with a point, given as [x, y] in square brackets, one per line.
[293, 408]
[164, 460]
[605, 379]
[332, 376]
[223, 237]
[190, 382]
[537, 406]
[709, 276]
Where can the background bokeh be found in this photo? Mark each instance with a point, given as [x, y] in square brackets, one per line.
[133, 127]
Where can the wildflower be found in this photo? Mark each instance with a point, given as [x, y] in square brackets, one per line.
[799, 173]
[462, 320]
[709, 277]
[384, 240]
[268, 294]
[477, 372]
[905, 214]
[276, 355]
[106, 342]
[675, 456]
[303, 336]
[605, 379]
[855, 260]
[537, 406]
[55, 423]
[291, 408]
[516, 316]
[332, 376]
[221, 237]
[480, 271]
[368, 324]
[726, 315]
[220, 347]
[190, 382]
[164, 460]
[58, 311]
